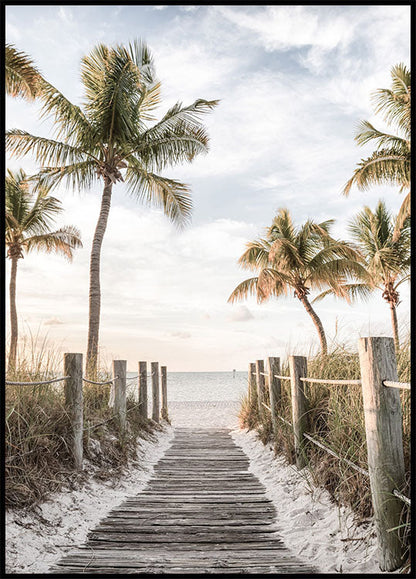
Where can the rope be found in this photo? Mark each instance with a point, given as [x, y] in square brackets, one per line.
[133, 377]
[351, 464]
[281, 418]
[282, 377]
[100, 383]
[37, 383]
[389, 384]
[340, 382]
[264, 373]
[402, 497]
[284, 420]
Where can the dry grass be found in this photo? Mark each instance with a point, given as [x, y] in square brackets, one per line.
[38, 459]
[336, 419]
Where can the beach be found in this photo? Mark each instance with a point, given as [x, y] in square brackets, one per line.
[313, 527]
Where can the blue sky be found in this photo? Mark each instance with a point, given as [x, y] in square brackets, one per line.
[293, 82]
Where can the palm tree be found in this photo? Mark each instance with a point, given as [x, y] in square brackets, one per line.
[299, 259]
[29, 218]
[390, 162]
[21, 75]
[111, 135]
[386, 259]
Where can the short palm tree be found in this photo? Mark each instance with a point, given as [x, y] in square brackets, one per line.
[299, 260]
[110, 136]
[22, 78]
[29, 218]
[386, 259]
[390, 162]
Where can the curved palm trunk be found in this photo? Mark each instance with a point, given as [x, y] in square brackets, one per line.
[318, 324]
[95, 291]
[395, 327]
[13, 314]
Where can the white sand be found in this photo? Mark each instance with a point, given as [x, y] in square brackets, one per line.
[310, 525]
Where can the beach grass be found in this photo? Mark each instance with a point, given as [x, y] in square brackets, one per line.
[37, 429]
[336, 419]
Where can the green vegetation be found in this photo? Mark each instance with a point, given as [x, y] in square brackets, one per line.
[390, 162]
[111, 135]
[29, 218]
[337, 421]
[299, 260]
[22, 78]
[38, 459]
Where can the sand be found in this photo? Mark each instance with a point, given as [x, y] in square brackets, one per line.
[314, 528]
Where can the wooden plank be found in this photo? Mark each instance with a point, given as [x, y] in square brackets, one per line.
[201, 512]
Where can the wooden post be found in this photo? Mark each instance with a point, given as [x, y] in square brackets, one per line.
[298, 369]
[383, 424]
[261, 385]
[164, 411]
[118, 391]
[155, 391]
[252, 386]
[74, 403]
[143, 389]
[273, 369]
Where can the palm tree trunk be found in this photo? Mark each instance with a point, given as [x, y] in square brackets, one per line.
[318, 324]
[395, 327]
[13, 314]
[95, 291]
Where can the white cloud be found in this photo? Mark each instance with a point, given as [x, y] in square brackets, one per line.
[240, 314]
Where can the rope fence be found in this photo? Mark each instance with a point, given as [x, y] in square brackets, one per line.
[401, 385]
[383, 422]
[335, 382]
[37, 383]
[100, 383]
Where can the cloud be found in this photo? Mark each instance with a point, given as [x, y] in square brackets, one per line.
[240, 314]
[53, 322]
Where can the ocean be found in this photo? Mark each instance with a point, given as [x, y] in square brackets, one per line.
[199, 386]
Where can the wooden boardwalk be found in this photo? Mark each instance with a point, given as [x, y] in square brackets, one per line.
[201, 512]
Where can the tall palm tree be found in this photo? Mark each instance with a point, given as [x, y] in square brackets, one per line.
[390, 162]
[110, 136]
[22, 78]
[29, 217]
[299, 259]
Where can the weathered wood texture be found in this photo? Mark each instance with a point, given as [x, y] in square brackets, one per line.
[273, 370]
[74, 404]
[201, 512]
[383, 424]
[117, 398]
[298, 368]
[261, 386]
[164, 391]
[143, 389]
[252, 387]
[155, 391]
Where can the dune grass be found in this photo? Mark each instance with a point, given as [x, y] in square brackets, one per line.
[38, 460]
[336, 419]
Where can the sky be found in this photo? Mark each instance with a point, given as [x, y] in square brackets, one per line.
[293, 83]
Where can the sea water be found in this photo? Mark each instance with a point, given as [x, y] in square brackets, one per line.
[198, 386]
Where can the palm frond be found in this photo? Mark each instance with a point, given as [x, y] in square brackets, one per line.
[154, 190]
[366, 133]
[46, 151]
[63, 241]
[70, 121]
[385, 166]
[246, 288]
[256, 256]
[22, 77]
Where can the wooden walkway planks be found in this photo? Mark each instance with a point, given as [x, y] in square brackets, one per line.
[201, 512]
